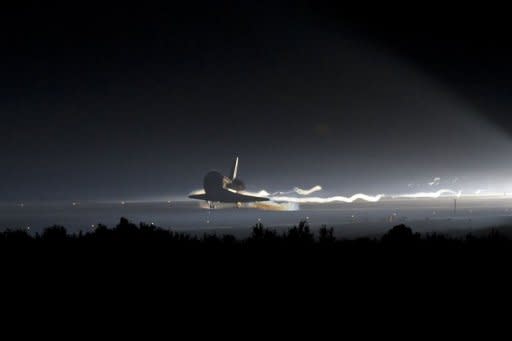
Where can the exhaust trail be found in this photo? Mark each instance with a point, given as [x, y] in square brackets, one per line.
[433, 195]
[300, 191]
[274, 206]
[319, 200]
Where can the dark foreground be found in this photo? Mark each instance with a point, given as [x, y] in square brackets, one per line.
[142, 265]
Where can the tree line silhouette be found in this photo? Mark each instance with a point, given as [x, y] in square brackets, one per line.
[147, 254]
[299, 236]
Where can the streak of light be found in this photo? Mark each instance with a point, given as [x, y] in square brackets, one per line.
[298, 191]
[435, 182]
[318, 200]
[274, 206]
[434, 195]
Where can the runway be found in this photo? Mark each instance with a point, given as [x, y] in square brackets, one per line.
[348, 219]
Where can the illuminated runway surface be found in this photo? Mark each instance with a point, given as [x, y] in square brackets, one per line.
[349, 220]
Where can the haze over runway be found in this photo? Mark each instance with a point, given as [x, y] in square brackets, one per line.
[138, 103]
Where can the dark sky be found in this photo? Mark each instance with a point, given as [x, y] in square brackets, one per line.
[140, 101]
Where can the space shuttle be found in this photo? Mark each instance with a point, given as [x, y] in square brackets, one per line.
[225, 189]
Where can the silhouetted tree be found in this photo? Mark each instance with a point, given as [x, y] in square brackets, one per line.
[300, 234]
[101, 231]
[263, 236]
[55, 233]
[125, 230]
[326, 235]
[400, 233]
[126, 226]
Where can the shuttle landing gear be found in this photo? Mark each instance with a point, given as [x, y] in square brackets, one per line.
[212, 205]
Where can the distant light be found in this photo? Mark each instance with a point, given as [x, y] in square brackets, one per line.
[28, 228]
[92, 225]
[22, 205]
[122, 203]
[152, 223]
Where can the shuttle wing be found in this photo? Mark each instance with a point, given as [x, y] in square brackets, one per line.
[198, 196]
[232, 196]
[227, 196]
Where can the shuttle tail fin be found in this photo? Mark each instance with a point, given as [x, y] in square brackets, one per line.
[234, 170]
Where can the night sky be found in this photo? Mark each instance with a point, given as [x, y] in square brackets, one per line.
[140, 101]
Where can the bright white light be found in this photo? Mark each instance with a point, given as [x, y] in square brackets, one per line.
[434, 195]
[299, 191]
[274, 206]
[307, 191]
[261, 193]
[318, 200]
[435, 182]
